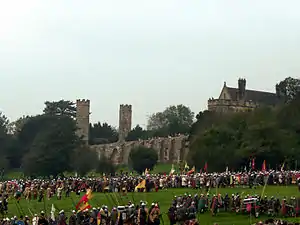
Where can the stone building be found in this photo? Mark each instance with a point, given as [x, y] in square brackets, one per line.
[241, 99]
[170, 149]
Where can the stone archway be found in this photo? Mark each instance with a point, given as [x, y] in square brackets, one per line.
[114, 157]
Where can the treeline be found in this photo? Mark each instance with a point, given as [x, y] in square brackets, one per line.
[47, 144]
[232, 140]
[172, 121]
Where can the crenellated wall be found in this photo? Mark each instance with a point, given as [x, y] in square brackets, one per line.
[169, 149]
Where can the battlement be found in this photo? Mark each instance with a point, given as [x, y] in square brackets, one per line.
[82, 102]
[231, 103]
[125, 107]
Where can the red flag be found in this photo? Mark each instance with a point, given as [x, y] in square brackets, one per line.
[205, 167]
[253, 163]
[191, 171]
[83, 203]
[263, 168]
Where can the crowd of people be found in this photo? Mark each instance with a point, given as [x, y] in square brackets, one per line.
[276, 222]
[33, 189]
[183, 210]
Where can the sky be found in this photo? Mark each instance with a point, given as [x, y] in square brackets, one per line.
[150, 54]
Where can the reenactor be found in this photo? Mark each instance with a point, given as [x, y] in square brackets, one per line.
[201, 204]
[283, 208]
[41, 194]
[114, 216]
[49, 193]
[73, 218]
[26, 220]
[196, 200]
[214, 205]
[226, 202]
[172, 214]
[122, 216]
[131, 214]
[42, 219]
[62, 218]
[154, 215]
[142, 214]
[151, 207]
[192, 211]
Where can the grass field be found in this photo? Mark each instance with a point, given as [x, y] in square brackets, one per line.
[164, 198]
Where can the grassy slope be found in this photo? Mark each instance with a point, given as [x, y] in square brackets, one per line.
[163, 197]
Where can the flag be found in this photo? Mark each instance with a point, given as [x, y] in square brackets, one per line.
[263, 168]
[83, 203]
[226, 169]
[253, 164]
[205, 167]
[186, 167]
[282, 167]
[53, 212]
[141, 185]
[172, 170]
[191, 171]
[99, 218]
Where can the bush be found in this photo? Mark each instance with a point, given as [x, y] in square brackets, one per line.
[142, 158]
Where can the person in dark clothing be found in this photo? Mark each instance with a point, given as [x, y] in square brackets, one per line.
[73, 218]
[42, 220]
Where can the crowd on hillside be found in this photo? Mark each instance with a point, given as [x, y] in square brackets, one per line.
[183, 208]
[34, 188]
[276, 222]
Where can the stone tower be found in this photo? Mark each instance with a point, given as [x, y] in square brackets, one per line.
[125, 120]
[83, 118]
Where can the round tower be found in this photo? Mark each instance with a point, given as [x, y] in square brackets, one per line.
[125, 121]
[83, 118]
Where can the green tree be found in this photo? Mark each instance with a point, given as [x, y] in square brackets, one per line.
[15, 127]
[270, 134]
[5, 141]
[83, 160]
[142, 158]
[288, 89]
[3, 123]
[137, 133]
[173, 120]
[60, 108]
[103, 133]
[51, 148]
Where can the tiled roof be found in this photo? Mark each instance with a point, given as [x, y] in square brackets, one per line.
[261, 97]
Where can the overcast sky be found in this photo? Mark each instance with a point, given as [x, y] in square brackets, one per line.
[150, 54]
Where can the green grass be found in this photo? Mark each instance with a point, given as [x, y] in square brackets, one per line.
[164, 198]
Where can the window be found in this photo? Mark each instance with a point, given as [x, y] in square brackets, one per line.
[224, 95]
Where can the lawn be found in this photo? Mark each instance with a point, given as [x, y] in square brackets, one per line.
[164, 198]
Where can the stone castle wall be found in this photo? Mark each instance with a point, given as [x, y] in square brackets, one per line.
[169, 149]
[228, 105]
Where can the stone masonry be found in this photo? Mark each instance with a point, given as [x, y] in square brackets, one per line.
[83, 118]
[125, 121]
[170, 149]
